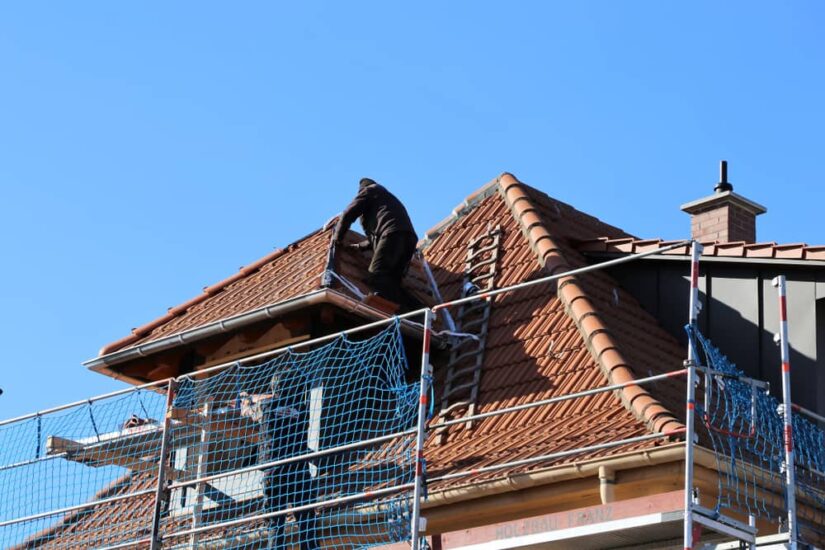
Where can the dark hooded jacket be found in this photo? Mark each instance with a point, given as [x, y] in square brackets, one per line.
[380, 211]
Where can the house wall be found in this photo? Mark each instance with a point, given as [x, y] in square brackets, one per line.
[740, 314]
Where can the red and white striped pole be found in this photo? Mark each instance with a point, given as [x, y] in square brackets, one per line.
[787, 417]
[690, 412]
[424, 392]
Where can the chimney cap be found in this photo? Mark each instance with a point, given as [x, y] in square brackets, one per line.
[721, 198]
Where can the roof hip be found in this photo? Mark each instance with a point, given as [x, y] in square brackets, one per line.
[579, 306]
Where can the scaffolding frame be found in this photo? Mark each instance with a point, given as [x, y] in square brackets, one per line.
[693, 512]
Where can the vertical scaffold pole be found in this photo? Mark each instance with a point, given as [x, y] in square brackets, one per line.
[162, 492]
[752, 516]
[790, 474]
[202, 463]
[690, 411]
[422, 429]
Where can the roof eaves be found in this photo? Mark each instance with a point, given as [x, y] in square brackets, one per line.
[105, 360]
[328, 296]
[144, 330]
[209, 291]
[579, 306]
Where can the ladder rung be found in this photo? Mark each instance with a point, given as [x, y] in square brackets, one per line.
[484, 263]
[481, 307]
[460, 387]
[480, 251]
[463, 356]
[468, 326]
[462, 374]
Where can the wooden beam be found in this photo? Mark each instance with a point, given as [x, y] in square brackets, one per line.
[253, 351]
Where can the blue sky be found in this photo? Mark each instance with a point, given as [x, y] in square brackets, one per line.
[149, 150]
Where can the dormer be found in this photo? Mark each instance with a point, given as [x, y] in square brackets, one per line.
[303, 291]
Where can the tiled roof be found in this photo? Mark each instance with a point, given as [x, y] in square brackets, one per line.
[546, 341]
[286, 273]
[105, 524]
[739, 249]
[541, 342]
[278, 276]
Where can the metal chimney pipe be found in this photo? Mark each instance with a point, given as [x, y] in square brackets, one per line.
[723, 184]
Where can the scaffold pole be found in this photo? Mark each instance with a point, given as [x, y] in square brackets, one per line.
[162, 491]
[787, 411]
[690, 411]
[422, 428]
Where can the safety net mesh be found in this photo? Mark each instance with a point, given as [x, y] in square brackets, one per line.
[311, 449]
[744, 424]
[81, 477]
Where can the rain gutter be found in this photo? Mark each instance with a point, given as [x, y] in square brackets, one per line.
[103, 363]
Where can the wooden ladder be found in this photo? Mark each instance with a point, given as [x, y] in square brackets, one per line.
[467, 355]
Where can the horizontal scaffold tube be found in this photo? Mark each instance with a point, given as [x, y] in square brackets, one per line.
[572, 272]
[88, 401]
[560, 398]
[361, 328]
[130, 544]
[551, 456]
[331, 502]
[297, 458]
[739, 377]
[75, 508]
[23, 463]
[809, 413]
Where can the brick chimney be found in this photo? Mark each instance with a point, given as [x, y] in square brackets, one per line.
[723, 216]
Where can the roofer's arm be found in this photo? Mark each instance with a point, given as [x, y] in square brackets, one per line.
[355, 209]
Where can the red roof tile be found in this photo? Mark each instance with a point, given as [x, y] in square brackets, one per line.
[287, 273]
[544, 343]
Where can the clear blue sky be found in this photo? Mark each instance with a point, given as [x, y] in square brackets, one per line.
[150, 149]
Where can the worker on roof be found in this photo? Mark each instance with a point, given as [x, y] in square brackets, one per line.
[390, 235]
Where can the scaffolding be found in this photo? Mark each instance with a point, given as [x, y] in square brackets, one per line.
[179, 463]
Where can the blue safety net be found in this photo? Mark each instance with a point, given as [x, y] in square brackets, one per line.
[312, 449]
[83, 476]
[744, 425]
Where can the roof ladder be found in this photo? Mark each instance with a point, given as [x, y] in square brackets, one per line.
[467, 355]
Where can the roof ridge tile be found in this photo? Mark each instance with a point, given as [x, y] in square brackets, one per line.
[597, 336]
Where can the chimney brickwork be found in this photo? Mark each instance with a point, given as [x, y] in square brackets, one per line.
[726, 223]
[723, 216]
